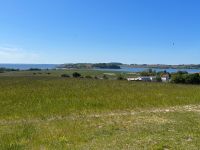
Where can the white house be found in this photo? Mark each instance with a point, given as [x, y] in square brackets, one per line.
[134, 79]
[144, 78]
[165, 78]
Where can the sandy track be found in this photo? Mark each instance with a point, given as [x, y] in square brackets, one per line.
[185, 108]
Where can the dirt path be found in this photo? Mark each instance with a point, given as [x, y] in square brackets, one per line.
[186, 108]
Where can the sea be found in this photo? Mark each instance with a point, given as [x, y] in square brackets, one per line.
[125, 69]
[154, 69]
[28, 66]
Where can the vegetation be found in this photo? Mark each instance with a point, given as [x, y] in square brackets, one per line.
[45, 111]
[76, 66]
[114, 65]
[34, 69]
[65, 75]
[105, 77]
[158, 79]
[76, 75]
[88, 77]
[120, 77]
[91, 66]
[149, 72]
[184, 77]
[106, 66]
[2, 70]
[162, 66]
[61, 116]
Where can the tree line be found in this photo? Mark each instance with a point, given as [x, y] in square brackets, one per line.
[186, 78]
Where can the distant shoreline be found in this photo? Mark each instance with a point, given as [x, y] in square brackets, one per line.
[123, 67]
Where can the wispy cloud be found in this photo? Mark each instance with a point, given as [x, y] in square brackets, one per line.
[17, 55]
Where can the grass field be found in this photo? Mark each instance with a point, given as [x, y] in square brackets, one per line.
[50, 112]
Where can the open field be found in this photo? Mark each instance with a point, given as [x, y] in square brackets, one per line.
[50, 112]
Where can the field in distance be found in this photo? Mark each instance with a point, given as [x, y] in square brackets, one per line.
[45, 111]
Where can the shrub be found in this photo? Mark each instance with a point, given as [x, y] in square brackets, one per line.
[149, 72]
[192, 79]
[105, 77]
[76, 75]
[2, 70]
[178, 78]
[88, 77]
[65, 75]
[186, 78]
[158, 79]
[120, 78]
[34, 69]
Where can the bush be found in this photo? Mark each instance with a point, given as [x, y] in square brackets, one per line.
[65, 75]
[158, 79]
[178, 78]
[120, 78]
[186, 78]
[88, 77]
[34, 69]
[2, 70]
[105, 77]
[182, 72]
[149, 72]
[192, 79]
[76, 75]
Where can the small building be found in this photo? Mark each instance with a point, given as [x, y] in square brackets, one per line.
[144, 78]
[165, 78]
[134, 79]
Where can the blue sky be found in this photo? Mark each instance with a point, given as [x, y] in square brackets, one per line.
[128, 31]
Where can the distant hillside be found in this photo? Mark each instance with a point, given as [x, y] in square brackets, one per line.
[116, 65]
[163, 66]
[106, 66]
[91, 66]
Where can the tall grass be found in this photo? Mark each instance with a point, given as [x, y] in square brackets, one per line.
[38, 112]
[45, 96]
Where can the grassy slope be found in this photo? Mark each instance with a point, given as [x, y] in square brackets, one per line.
[57, 113]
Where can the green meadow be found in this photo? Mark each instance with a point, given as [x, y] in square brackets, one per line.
[45, 111]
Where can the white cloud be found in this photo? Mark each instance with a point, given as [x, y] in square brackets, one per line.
[17, 55]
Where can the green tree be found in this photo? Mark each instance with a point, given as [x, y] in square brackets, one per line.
[158, 79]
[192, 79]
[76, 75]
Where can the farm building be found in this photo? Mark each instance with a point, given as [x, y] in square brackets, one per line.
[165, 78]
[145, 78]
[134, 79]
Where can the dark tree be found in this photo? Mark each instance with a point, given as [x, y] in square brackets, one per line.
[192, 79]
[76, 75]
[120, 78]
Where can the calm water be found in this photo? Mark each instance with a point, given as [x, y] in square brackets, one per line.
[157, 70]
[53, 66]
[28, 66]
